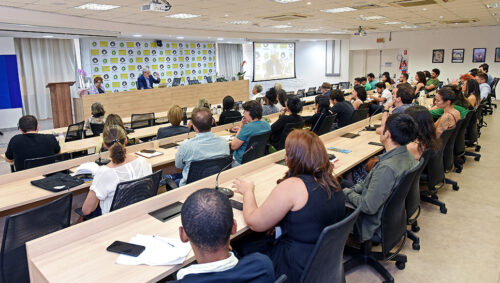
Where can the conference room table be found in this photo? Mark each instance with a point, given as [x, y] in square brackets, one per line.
[78, 253]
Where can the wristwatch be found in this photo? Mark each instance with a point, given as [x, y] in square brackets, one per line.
[386, 110]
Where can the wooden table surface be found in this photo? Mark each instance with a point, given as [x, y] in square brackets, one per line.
[78, 253]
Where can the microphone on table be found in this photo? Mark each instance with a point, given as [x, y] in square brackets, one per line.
[101, 161]
[228, 192]
[369, 127]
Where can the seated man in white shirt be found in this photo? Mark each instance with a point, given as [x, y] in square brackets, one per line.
[207, 223]
[484, 87]
[256, 92]
[384, 96]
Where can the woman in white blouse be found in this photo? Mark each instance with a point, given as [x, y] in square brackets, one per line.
[123, 167]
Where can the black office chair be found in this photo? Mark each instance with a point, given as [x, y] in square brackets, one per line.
[448, 157]
[318, 90]
[193, 82]
[259, 142]
[459, 148]
[325, 263]
[393, 229]
[412, 203]
[201, 169]
[41, 161]
[230, 119]
[96, 129]
[176, 82]
[324, 126]
[301, 93]
[358, 115]
[433, 174]
[472, 135]
[344, 85]
[133, 191]
[311, 91]
[209, 79]
[490, 105]
[144, 120]
[26, 226]
[286, 130]
[75, 132]
[335, 86]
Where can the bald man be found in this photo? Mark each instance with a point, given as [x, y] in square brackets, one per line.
[145, 81]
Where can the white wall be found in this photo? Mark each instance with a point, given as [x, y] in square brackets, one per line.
[363, 62]
[8, 117]
[421, 43]
[309, 66]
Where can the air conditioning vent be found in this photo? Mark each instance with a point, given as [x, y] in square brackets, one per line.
[285, 18]
[364, 28]
[413, 3]
[367, 6]
[460, 21]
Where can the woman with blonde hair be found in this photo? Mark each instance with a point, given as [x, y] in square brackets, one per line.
[97, 115]
[175, 114]
[306, 200]
[123, 167]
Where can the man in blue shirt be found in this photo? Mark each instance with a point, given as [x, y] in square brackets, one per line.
[325, 89]
[207, 223]
[145, 81]
[205, 145]
[371, 80]
[251, 125]
[484, 68]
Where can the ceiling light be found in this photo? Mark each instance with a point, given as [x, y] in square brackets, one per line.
[440, 17]
[393, 23]
[220, 38]
[226, 15]
[493, 5]
[137, 35]
[180, 37]
[281, 26]
[312, 29]
[240, 22]
[97, 7]
[409, 26]
[424, 9]
[182, 16]
[286, 1]
[337, 32]
[308, 3]
[339, 10]
[48, 36]
[369, 18]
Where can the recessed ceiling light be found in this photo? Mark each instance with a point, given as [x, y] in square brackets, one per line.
[424, 9]
[137, 35]
[97, 7]
[226, 15]
[337, 32]
[308, 3]
[240, 22]
[440, 17]
[369, 18]
[180, 37]
[182, 16]
[493, 5]
[339, 10]
[48, 36]
[393, 23]
[220, 38]
[286, 1]
[281, 26]
[409, 26]
[312, 29]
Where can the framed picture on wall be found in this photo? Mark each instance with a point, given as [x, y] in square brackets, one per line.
[457, 55]
[438, 56]
[497, 54]
[479, 55]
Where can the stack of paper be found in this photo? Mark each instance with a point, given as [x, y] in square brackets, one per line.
[159, 251]
[149, 155]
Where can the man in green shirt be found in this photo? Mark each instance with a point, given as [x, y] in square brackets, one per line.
[371, 194]
[366, 84]
[433, 82]
[371, 80]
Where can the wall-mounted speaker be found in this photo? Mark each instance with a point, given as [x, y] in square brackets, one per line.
[159, 43]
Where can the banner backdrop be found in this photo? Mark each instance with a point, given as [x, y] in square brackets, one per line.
[120, 62]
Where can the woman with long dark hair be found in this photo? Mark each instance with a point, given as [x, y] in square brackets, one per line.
[306, 200]
[472, 92]
[358, 97]
[426, 135]
[421, 81]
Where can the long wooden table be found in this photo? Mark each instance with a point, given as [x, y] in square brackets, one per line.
[78, 253]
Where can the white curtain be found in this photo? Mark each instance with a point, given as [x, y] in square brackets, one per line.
[42, 61]
[230, 57]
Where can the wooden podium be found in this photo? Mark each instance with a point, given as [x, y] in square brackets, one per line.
[60, 98]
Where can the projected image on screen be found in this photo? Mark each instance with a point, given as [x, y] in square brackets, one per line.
[273, 61]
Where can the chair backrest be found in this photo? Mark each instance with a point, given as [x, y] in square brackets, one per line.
[440, 85]
[203, 168]
[301, 93]
[75, 132]
[394, 218]
[318, 91]
[26, 226]
[290, 92]
[459, 148]
[450, 145]
[259, 142]
[434, 171]
[286, 130]
[231, 119]
[41, 161]
[326, 125]
[209, 79]
[144, 120]
[325, 263]
[133, 191]
[358, 115]
[311, 91]
[335, 86]
[412, 201]
[494, 87]
[96, 129]
[344, 85]
[176, 82]
[472, 133]
[193, 82]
